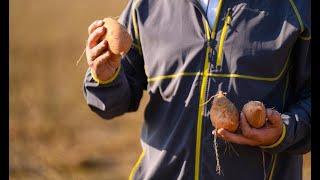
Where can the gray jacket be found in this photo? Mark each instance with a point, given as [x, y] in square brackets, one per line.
[257, 50]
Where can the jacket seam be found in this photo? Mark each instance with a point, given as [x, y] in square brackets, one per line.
[231, 75]
[273, 167]
[306, 38]
[136, 165]
[136, 27]
[284, 97]
[297, 14]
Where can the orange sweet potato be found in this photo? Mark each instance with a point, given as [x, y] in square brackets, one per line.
[255, 113]
[118, 38]
[223, 113]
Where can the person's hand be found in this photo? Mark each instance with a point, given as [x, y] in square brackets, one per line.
[101, 61]
[267, 135]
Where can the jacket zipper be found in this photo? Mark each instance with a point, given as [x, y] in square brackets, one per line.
[223, 37]
[210, 35]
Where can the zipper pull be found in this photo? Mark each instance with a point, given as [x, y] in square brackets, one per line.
[228, 16]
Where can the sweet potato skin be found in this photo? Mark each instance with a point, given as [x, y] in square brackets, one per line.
[223, 113]
[119, 40]
[255, 113]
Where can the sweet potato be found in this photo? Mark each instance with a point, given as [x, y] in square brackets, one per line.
[255, 113]
[223, 113]
[118, 38]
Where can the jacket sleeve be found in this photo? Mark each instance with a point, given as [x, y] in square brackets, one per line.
[124, 92]
[296, 138]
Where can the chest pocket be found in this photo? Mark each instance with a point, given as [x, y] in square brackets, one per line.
[259, 42]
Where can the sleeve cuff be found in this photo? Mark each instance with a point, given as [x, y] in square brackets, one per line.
[96, 79]
[284, 131]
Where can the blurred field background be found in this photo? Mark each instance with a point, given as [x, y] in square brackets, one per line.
[53, 134]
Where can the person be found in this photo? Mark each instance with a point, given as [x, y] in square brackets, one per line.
[252, 50]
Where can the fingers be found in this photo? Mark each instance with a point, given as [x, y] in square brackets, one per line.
[251, 136]
[99, 49]
[274, 117]
[100, 59]
[103, 57]
[94, 26]
[95, 36]
[245, 127]
[235, 138]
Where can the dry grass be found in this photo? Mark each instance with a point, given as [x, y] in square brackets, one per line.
[53, 135]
